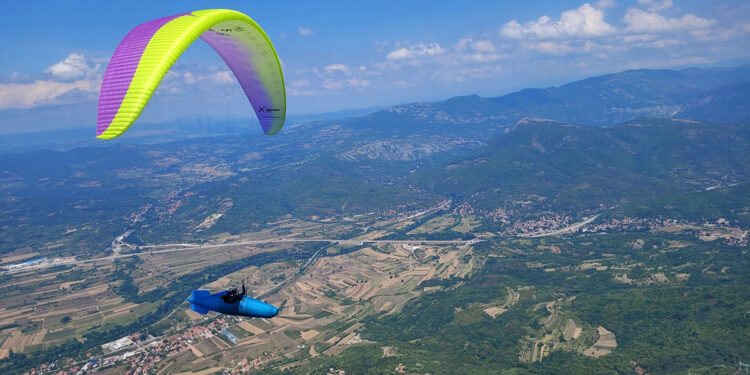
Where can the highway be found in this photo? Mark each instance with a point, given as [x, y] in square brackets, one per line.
[172, 248]
[118, 245]
[187, 247]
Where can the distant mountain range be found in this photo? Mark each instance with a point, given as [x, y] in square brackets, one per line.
[516, 155]
[712, 94]
[715, 94]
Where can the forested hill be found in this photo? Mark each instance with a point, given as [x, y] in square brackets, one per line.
[570, 167]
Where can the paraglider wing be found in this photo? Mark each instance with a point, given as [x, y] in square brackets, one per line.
[147, 52]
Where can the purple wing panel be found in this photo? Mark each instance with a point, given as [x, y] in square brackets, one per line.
[239, 57]
[121, 69]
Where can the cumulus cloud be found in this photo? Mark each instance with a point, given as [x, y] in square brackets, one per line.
[585, 30]
[586, 21]
[65, 81]
[583, 33]
[638, 20]
[605, 4]
[41, 93]
[656, 5]
[466, 50]
[75, 66]
[304, 31]
[415, 51]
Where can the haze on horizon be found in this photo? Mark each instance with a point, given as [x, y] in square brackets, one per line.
[339, 57]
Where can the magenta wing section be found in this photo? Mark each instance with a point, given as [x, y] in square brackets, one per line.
[121, 69]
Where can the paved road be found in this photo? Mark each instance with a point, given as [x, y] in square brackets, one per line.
[171, 248]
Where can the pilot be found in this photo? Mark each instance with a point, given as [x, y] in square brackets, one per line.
[233, 296]
[230, 296]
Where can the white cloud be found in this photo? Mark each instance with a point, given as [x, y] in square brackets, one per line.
[333, 84]
[553, 48]
[75, 66]
[189, 78]
[477, 51]
[656, 5]
[300, 88]
[172, 79]
[481, 72]
[415, 51]
[41, 93]
[638, 20]
[586, 21]
[466, 50]
[721, 35]
[588, 34]
[304, 31]
[514, 30]
[585, 30]
[650, 41]
[332, 77]
[223, 76]
[638, 38]
[476, 45]
[604, 4]
[300, 83]
[75, 74]
[480, 57]
[336, 68]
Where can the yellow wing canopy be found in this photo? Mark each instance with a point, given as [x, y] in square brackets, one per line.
[145, 55]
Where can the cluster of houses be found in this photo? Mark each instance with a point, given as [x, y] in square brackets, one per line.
[141, 353]
[253, 365]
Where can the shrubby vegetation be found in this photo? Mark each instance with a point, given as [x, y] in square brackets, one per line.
[729, 203]
[699, 325]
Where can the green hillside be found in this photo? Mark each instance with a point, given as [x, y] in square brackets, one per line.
[568, 167]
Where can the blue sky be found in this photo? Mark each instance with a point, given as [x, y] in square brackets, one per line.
[344, 55]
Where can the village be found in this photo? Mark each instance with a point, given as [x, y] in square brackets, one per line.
[138, 354]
